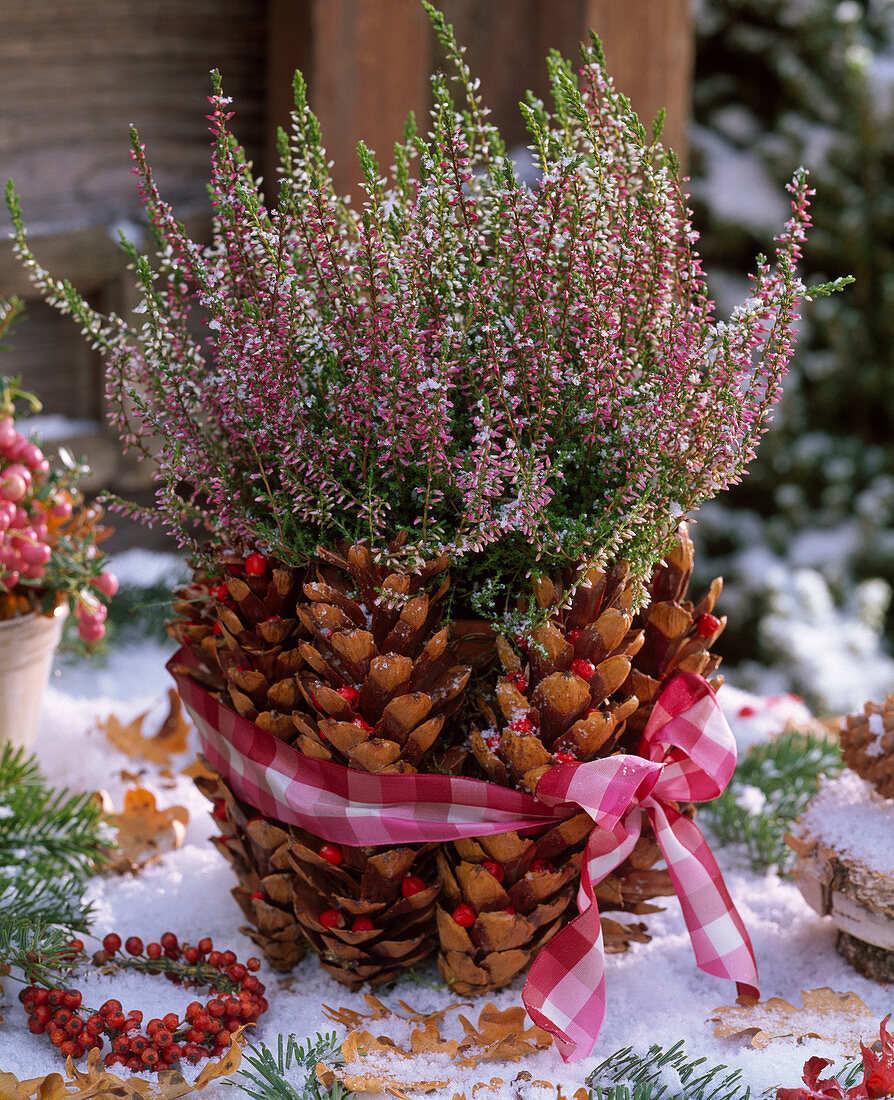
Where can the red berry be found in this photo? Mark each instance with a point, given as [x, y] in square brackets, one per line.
[36, 1027]
[68, 1049]
[362, 924]
[43, 1014]
[583, 668]
[172, 1053]
[251, 983]
[253, 963]
[61, 1017]
[163, 1037]
[56, 997]
[171, 1020]
[331, 918]
[492, 742]
[96, 1025]
[138, 1044]
[116, 1020]
[256, 565]
[518, 681]
[41, 996]
[237, 972]
[746, 712]
[361, 724]
[215, 1007]
[215, 959]
[168, 940]
[565, 757]
[217, 628]
[707, 625]
[76, 947]
[521, 725]
[541, 865]
[58, 1037]
[121, 1044]
[191, 954]
[112, 942]
[228, 958]
[510, 909]
[149, 1056]
[109, 1007]
[193, 1009]
[202, 1022]
[195, 1035]
[134, 1063]
[192, 1053]
[153, 950]
[205, 945]
[495, 869]
[72, 998]
[351, 694]
[133, 945]
[572, 636]
[112, 1059]
[75, 1025]
[333, 854]
[411, 885]
[464, 915]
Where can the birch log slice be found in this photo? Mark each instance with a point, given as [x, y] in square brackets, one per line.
[845, 870]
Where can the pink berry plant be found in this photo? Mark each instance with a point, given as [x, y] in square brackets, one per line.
[527, 377]
[48, 549]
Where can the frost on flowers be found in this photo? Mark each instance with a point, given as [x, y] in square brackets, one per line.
[523, 376]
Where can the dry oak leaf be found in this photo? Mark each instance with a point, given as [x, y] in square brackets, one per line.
[97, 1083]
[143, 831]
[169, 739]
[373, 1082]
[501, 1036]
[199, 769]
[840, 1018]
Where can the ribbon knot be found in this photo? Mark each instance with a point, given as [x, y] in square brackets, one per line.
[688, 755]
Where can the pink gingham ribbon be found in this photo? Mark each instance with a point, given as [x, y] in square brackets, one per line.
[689, 756]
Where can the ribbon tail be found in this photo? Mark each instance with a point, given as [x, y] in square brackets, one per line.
[719, 939]
[565, 990]
[570, 971]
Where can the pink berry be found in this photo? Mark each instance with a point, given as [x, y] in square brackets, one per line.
[9, 580]
[15, 482]
[90, 630]
[7, 514]
[32, 455]
[7, 432]
[60, 508]
[107, 583]
[36, 553]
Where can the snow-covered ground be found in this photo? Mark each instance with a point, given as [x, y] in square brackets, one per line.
[655, 992]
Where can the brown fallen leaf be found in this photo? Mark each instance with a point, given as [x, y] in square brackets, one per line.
[429, 1041]
[143, 831]
[199, 769]
[97, 1083]
[840, 1018]
[170, 738]
[374, 1083]
[424, 1018]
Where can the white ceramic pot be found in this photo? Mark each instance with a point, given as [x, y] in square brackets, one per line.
[27, 645]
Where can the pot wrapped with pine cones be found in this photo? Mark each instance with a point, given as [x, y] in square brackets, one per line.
[469, 400]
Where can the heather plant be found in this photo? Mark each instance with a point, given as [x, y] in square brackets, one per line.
[523, 377]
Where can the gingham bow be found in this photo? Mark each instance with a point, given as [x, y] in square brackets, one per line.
[690, 755]
[565, 991]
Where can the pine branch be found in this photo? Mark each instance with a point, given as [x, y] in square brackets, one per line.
[771, 787]
[51, 841]
[268, 1081]
[637, 1077]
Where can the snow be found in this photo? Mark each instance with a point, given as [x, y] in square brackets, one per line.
[655, 993]
[850, 816]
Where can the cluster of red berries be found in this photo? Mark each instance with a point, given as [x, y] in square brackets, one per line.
[465, 916]
[335, 918]
[237, 998]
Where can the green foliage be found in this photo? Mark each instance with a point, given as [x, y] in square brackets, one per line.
[268, 1081]
[786, 772]
[51, 842]
[630, 1076]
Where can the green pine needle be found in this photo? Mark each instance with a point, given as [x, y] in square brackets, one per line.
[268, 1081]
[786, 771]
[630, 1076]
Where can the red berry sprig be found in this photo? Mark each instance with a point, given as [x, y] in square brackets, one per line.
[236, 998]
